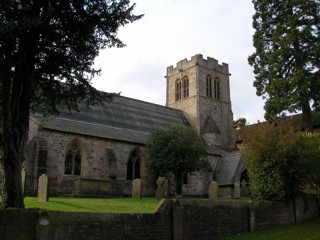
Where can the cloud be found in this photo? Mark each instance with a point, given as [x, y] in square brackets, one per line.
[172, 30]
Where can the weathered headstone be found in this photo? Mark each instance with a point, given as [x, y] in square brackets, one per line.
[43, 188]
[23, 180]
[162, 190]
[213, 190]
[136, 188]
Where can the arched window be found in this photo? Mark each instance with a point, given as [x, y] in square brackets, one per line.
[42, 162]
[185, 87]
[178, 90]
[216, 88]
[112, 163]
[209, 86]
[42, 157]
[134, 166]
[73, 160]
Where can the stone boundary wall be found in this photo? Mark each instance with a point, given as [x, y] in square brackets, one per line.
[182, 220]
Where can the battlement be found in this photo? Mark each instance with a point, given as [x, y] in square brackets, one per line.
[198, 60]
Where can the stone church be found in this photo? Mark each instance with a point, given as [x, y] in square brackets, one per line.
[100, 150]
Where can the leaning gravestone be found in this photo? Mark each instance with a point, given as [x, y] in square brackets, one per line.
[43, 188]
[23, 180]
[162, 190]
[136, 189]
[213, 190]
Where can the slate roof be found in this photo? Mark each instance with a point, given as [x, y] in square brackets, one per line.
[294, 120]
[124, 119]
[226, 169]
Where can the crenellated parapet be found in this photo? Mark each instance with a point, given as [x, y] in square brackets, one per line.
[198, 60]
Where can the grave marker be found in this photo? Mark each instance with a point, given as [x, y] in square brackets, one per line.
[213, 190]
[43, 188]
[136, 188]
[162, 190]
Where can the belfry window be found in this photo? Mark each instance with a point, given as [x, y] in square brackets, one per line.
[185, 86]
[209, 86]
[182, 88]
[73, 160]
[216, 88]
[133, 167]
[178, 90]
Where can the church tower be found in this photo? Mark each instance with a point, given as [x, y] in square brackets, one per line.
[200, 87]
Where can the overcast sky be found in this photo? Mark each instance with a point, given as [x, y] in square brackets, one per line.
[172, 30]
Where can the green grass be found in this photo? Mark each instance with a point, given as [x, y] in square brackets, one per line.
[101, 205]
[303, 231]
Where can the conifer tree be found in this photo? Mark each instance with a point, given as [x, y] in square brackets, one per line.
[287, 57]
[47, 50]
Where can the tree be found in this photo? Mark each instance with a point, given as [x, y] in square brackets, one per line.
[287, 57]
[240, 122]
[279, 160]
[178, 150]
[47, 50]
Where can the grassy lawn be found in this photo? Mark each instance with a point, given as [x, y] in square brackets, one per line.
[101, 205]
[303, 231]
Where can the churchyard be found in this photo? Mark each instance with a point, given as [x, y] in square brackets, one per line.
[149, 205]
[154, 217]
[163, 214]
[141, 216]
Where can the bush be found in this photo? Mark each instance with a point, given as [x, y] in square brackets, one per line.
[280, 160]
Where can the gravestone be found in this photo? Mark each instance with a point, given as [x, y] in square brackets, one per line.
[213, 190]
[162, 190]
[136, 188]
[23, 180]
[43, 188]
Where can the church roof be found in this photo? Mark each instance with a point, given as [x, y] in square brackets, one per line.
[228, 168]
[123, 119]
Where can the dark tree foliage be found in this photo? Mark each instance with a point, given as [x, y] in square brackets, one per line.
[176, 150]
[287, 57]
[47, 50]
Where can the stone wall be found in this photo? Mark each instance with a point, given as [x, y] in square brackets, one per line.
[206, 219]
[186, 219]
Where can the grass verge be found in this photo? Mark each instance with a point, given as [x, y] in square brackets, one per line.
[309, 230]
[100, 205]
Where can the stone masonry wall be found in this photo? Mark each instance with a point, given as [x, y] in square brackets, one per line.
[94, 161]
[205, 219]
[198, 106]
[94, 164]
[183, 220]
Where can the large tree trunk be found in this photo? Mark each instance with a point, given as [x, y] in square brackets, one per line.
[16, 80]
[307, 118]
[15, 125]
